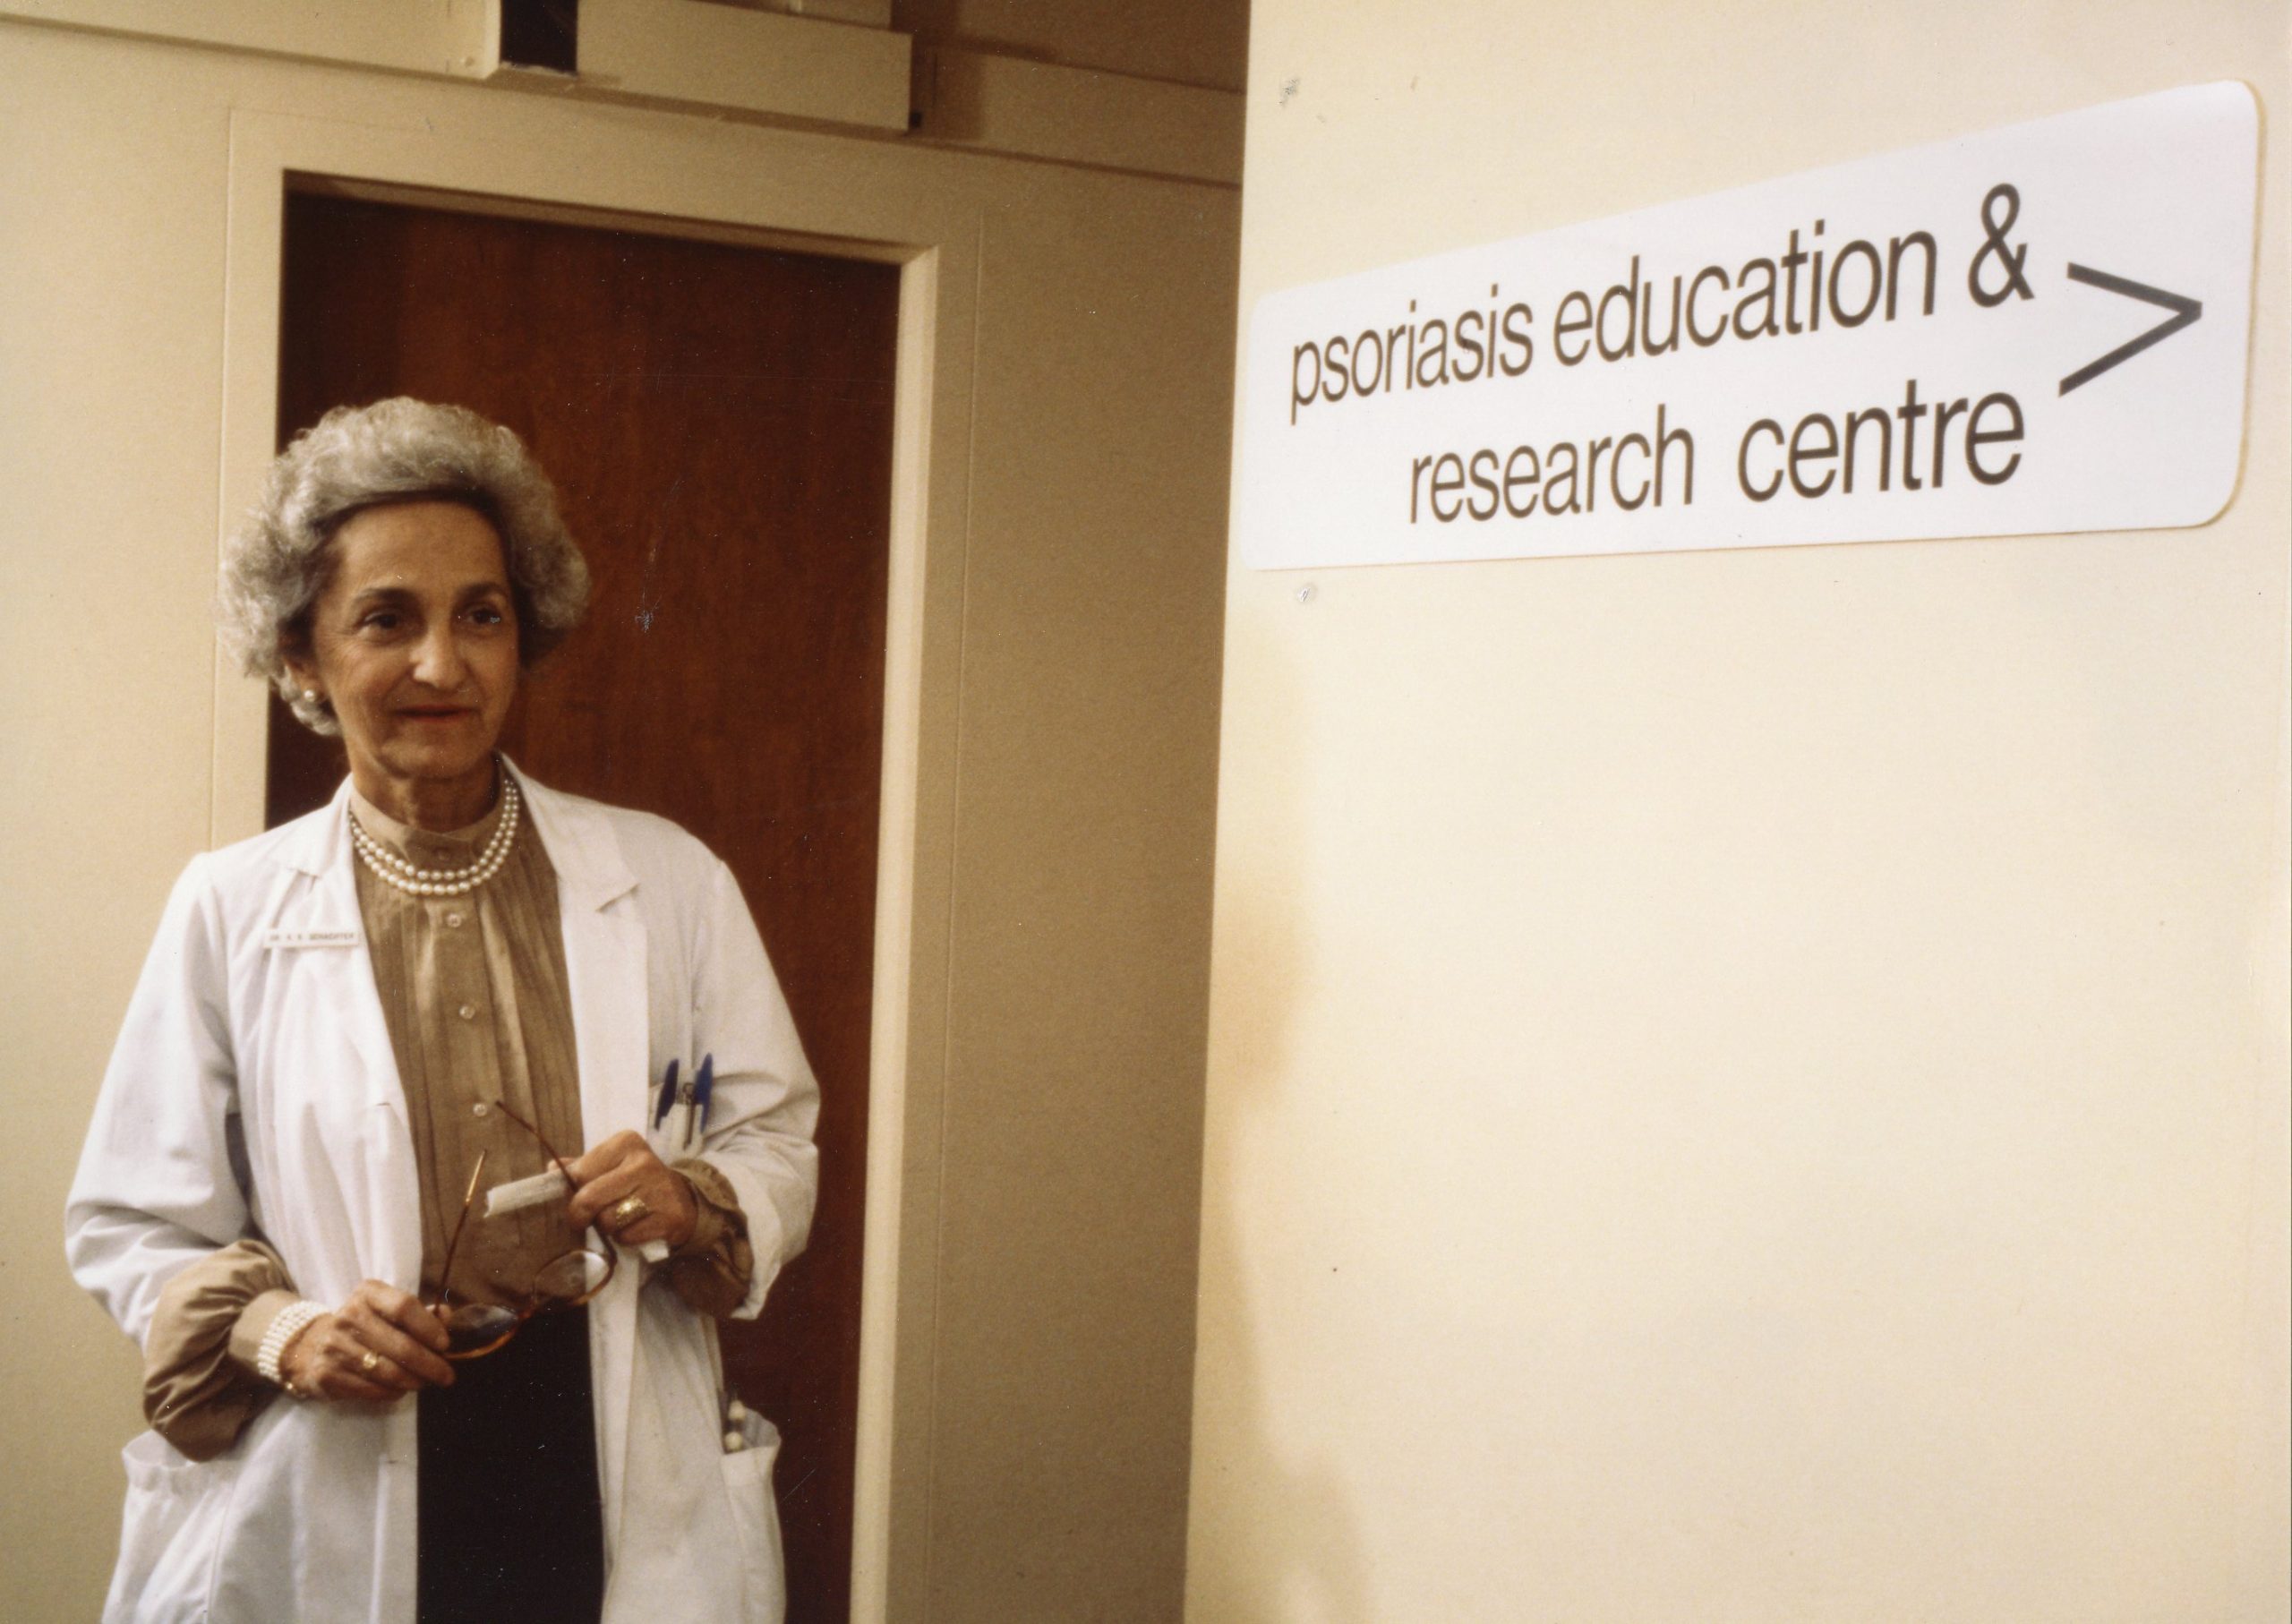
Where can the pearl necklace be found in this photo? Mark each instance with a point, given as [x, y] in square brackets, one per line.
[395, 870]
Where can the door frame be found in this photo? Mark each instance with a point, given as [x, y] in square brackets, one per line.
[527, 157]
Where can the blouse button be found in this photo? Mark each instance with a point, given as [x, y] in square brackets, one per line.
[481, 1109]
[468, 1011]
[454, 921]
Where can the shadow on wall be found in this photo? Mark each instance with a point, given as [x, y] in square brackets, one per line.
[1284, 1543]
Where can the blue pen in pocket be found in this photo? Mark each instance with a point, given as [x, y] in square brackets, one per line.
[701, 1087]
[667, 1096]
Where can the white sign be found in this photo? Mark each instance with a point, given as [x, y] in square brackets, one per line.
[2041, 329]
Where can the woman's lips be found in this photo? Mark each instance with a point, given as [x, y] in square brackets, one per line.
[437, 714]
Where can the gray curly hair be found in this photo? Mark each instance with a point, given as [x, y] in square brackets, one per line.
[278, 561]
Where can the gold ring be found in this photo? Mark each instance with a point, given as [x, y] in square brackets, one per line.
[370, 1362]
[628, 1209]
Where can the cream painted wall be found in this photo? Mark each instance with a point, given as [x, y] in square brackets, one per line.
[1067, 510]
[1744, 1085]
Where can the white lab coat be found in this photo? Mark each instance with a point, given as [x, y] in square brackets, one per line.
[258, 1002]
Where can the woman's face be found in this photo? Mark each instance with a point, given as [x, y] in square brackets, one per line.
[414, 643]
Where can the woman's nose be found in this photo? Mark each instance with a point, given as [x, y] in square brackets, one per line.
[438, 659]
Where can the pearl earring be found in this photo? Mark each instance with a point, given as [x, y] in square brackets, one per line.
[310, 696]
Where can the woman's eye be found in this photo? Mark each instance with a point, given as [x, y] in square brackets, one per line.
[486, 614]
[380, 619]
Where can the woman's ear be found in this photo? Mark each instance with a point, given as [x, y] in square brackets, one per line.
[301, 667]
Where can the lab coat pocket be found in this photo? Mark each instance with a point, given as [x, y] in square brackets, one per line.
[756, 1514]
[170, 1534]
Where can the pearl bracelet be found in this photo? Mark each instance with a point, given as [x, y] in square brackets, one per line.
[283, 1329]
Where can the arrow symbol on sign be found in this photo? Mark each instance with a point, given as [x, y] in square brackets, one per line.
[2185, 309]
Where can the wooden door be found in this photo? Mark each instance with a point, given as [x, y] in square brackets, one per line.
[719, 423]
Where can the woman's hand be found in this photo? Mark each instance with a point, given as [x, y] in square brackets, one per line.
[380, 1345]
[624, 1166]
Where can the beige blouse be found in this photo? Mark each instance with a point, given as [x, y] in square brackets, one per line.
[473, 992]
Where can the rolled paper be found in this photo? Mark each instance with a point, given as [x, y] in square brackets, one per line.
[542, 1188]
[520, 1194]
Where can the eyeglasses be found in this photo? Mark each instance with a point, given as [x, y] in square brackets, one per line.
[476, 1329]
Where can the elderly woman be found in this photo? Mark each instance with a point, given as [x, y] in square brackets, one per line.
[378, 1388]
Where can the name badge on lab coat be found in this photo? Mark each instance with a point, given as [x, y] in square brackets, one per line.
[281, 938]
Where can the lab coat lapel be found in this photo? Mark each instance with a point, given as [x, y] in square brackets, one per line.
[319, 850]
[605, 971]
